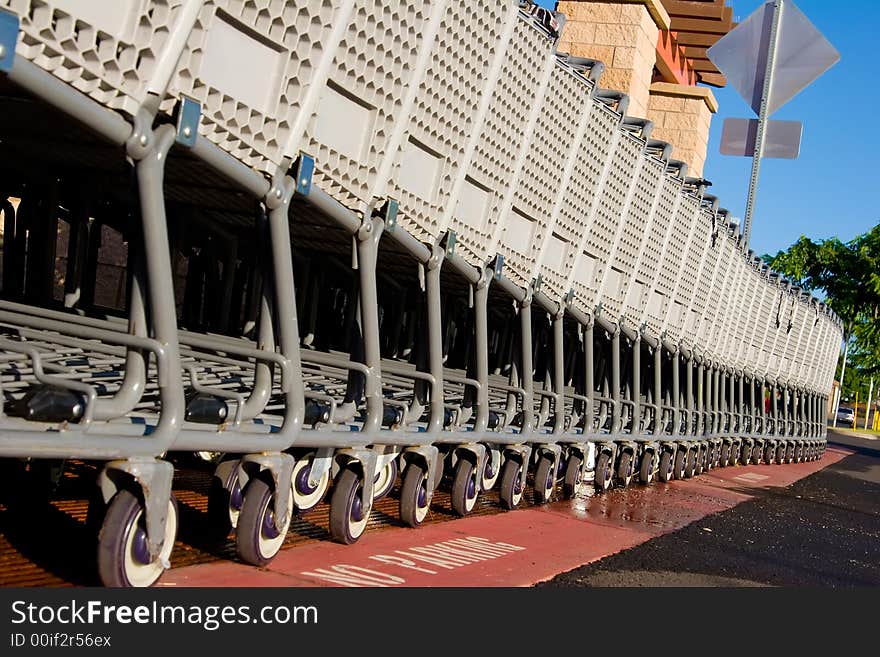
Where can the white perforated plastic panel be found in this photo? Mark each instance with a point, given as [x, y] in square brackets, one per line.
[107, 50]
[639, 216]
[612, 205]
[637, 230]
[749, 316]
[775, 331]
[720, 293]
[706, 277]
[555, 132]
[756, 319]
[494, 161]
[574, 217]
[721, 334]
[691, 265]
[252, 64]
[727, 340]
[375, 63]
[767, 322]
[661, 233]
[444, 117]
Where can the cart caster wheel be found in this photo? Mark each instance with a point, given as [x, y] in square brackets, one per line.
[745, 454]
[756, 455]
[725, 455]
[348, 518]
[414, 499]
[224, 503]
[464, 487]
[680, 463]
[545, 480]
[490, 474]
[699, 460]
[780, 454]
[258, 538]
[574, 472]
[306, 496]
[789, 454]
[123, 555]
[602, 479]
[625, 469]
[511, 491]
[646, 468]
[691, 464]
[666, 469]
[767, 457]
[734, 454]
[384, 481]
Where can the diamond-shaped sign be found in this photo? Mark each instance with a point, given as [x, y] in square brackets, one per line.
[802, 55]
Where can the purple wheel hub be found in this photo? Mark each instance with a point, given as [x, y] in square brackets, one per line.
[269, 529]
[302, 481]
[423, 495]
[489, 471]
[517, 487]
[357, 507]
[235, 496]
[472, 487]
[139, 549]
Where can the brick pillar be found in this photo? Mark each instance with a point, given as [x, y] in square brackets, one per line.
[682, 115]
[621, 33]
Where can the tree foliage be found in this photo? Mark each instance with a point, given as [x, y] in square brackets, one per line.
[847, 275]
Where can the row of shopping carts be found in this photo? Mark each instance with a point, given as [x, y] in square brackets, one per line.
[368, 246]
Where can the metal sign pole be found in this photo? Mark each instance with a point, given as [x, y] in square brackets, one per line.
[762, 118]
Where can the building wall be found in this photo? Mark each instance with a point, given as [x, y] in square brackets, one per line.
[682, 116]
[623, 35]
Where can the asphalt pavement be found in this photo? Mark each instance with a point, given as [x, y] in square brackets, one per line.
[823, 530]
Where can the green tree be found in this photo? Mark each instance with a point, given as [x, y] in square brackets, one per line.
[847, 275]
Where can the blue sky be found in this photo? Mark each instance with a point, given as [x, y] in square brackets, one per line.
[828, 191]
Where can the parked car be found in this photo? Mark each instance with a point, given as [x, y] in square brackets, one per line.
[846, 416]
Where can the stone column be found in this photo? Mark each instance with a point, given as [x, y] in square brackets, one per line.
[682, 115]
[623, 34]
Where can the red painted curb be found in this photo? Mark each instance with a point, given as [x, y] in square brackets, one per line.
[519, 548]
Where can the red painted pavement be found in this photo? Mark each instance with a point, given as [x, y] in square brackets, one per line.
[518, 548]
